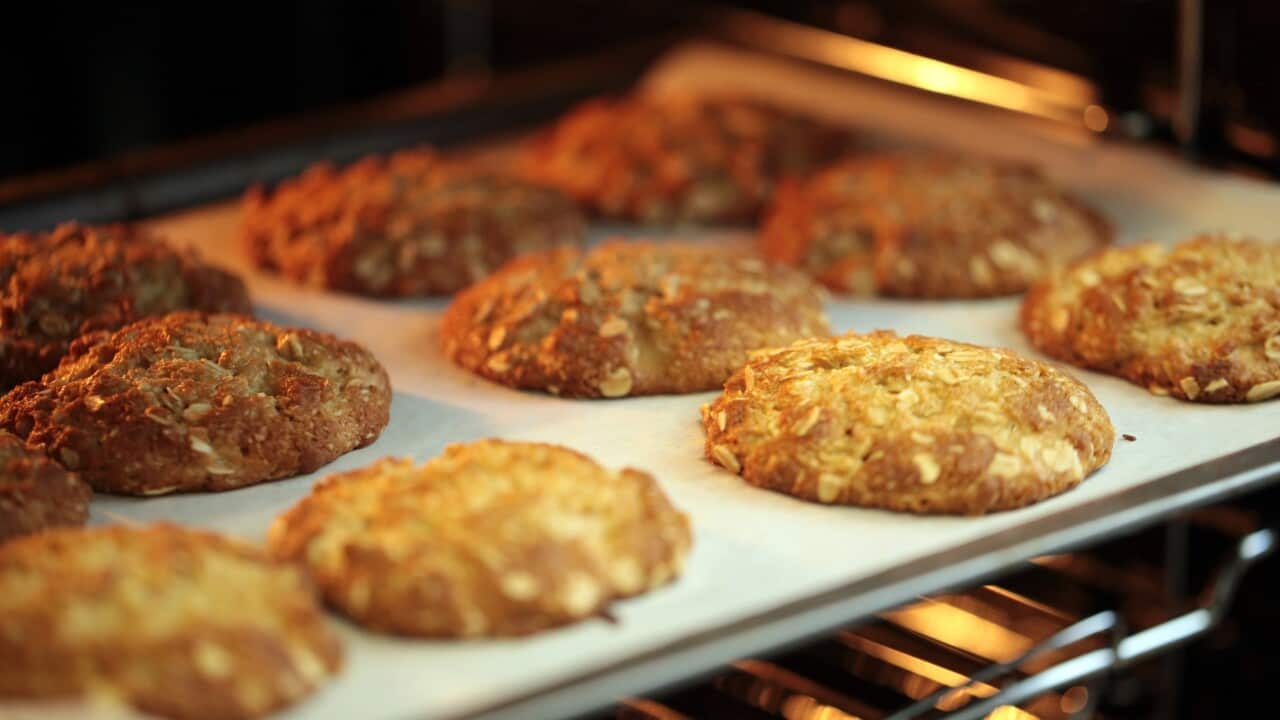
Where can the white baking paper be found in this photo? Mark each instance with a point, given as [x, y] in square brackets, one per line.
[753, 549]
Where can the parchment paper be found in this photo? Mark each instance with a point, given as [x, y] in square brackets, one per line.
[753, 549]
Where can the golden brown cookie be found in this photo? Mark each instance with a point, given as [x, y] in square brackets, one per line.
[57, 286]
[191, 401]
[175, 622]
[490, 538]
[406, 224]
[928, 226]
[1199, 320]
[678, 158]
[36, 492]
[913, 423]
[628, 318]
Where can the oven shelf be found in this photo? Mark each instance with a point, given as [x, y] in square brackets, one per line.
[934, 658]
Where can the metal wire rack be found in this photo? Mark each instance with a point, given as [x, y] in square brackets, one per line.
[1049, 641]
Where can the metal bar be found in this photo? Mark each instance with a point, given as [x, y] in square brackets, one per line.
[1141, 645]
[1190, 53]
[1106, 621]
[1065, 673]
[1064, 102]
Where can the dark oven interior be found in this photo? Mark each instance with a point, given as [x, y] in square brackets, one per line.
[950, 653]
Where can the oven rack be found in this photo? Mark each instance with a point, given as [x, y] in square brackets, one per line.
[938, 672]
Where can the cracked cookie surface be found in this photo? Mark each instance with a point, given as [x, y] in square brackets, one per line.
[1199, 320]
[35, 492]
[628, 318]
[177, 623]
[191, 401]
[913, 423]
[490, 538]
[928, 226]
[408, 224]
[78, 279]
[678, 158]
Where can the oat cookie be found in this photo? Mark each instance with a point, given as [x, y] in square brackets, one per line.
[78, 279]
[628, 318]
[408, 224]
[928, 226]
[191, 401]
[36, 492]
[678, 158]
[1199, 320]
[491, 538]
[912, 423]
[174, 622]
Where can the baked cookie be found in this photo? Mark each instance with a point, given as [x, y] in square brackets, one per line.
[173, 622]
[678, 158]
[1199, 320]
[490, 538]
[191, 401]
[36, 492]
[628, 318]
[57, 286]
[407, 224]
[928, 226]
[913, 423]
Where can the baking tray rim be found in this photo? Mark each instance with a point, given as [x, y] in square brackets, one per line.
[793, 622]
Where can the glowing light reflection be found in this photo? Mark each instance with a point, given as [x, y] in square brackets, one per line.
[1065, 101]
[962, 629]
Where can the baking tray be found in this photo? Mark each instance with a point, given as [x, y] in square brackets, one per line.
[766, 570]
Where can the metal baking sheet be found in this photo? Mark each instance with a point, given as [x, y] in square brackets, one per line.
[765, 569]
